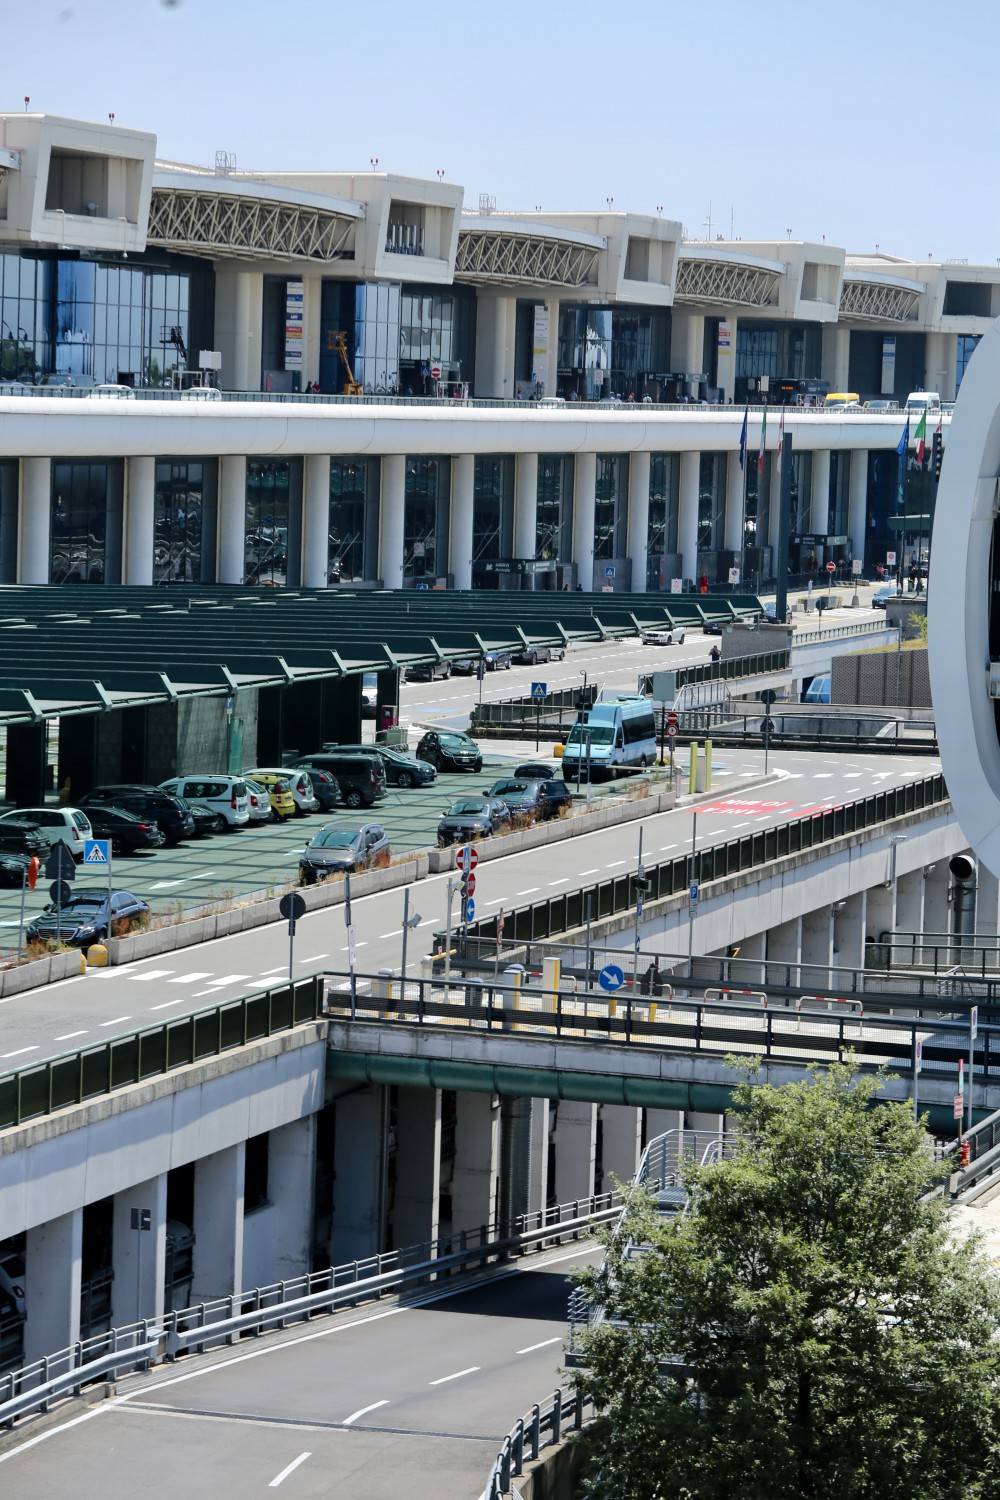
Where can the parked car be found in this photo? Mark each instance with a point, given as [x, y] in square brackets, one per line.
[369, 695]
[400, 768]
[497, 661]
[344, 847]
[543, 798]
[360, 776]
[711, 627]
[450, 751]
[472, 818]
[534, 770]
[12, 1295]
[62, 825]
[201, 393]
[880, 408]
[127, 831]
[206, 819]
[427, 671]
[12, 868]
[659, 637]
[326, 788]
[881, 597]
[464, 666]
[149, 802]
[533, 656]
[85, 919]
[226, 795]
[259, 801]
[21, 836]
[300, 785]
[279, 789]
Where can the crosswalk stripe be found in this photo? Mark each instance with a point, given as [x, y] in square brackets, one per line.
[231, 978]
[150, 974]
[190, 978]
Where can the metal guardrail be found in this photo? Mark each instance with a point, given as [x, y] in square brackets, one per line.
[839, 632]
[139, 1345]
[607, 898]
[526, 710]
[731, 668]
[89, 1073]
[541, 1427]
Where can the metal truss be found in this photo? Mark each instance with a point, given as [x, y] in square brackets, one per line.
[873, 301]
[515, 257]
[227, 224]
[726, 282]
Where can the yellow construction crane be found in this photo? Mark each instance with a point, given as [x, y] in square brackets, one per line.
[337, 343]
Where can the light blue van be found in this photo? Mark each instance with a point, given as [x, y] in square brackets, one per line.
[621, 734]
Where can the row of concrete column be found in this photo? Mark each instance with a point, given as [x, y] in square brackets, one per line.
[138, 542]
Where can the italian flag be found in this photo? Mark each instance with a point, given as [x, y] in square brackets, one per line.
[921, 436]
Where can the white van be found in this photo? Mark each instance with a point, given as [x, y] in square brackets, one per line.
[226, 795]
[62, 825]
[918, 401]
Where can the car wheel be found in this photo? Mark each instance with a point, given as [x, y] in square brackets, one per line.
[220, 825]
[353, 799]
[404, 779]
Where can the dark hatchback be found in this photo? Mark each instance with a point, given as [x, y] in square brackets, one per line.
[84, 919]
[473, 818]
[12, 868]
[147, 802]
[359, 777]
[21, 836]
[400, 769]
[344, 849]
[533, 656]
[449, 751]
[428, 671]
[545, 799]
[127, 831]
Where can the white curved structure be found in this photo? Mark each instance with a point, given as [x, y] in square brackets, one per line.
[960, 603]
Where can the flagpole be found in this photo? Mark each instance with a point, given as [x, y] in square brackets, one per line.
[743, 532]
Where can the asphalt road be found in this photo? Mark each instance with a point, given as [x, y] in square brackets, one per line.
[90, 1008]
[381, 1403]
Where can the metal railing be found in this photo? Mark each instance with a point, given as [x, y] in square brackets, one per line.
[137, 1346]
[526, 710]
[731, 668]
[541, 1427]
[90, 1072]
[805, 637]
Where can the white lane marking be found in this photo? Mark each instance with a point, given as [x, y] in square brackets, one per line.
[191, 978]
[19, 1053]
[205, 875]
[822, 775]
[363, 1411]
[168, 1003]
[276, 970]
[430, 921]
[741, 825]
[543, 1345]
[68, 1036]
[663, 847]
[613, 863]
[589, 872]
[117, 1021]
[851, 775]
[530, 890]
[314, 960]
[384, 936]
[563, 881]
[444, 1379]
[288, 1469]
[150, 974]
[161, 885]
[496, 901]
[238, 978]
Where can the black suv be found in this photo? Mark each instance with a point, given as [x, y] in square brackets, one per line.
[22, 836]
[150, 803]
[533, 656]
[361, 778]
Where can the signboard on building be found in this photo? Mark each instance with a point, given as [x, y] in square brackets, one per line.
[888, 382]
[295, 301]
[540, 343]
[725, 337]
[734, 575]
[676, 585]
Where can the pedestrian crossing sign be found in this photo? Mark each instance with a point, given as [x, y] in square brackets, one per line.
[97, 854]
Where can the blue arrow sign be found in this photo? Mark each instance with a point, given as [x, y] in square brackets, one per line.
[611, 978]
[470, 909]
[97, 854]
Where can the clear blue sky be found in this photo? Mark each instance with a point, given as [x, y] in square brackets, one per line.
[869, 123]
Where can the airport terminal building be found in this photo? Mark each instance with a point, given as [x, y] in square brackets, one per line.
[415, 394]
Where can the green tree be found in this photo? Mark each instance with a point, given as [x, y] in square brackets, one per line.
[807, 1328]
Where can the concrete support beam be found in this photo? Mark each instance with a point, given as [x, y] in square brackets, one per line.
[638, 518]
[849, 936]
[817, 948]
[463, 481]
[232, 519]
[53, 1260]
[316, 521]
[576, 1149]
[735, 481]
[359, 1175]
[140, 516]
[290, 1176]
[392, 506]
[524, 1156]
[418, 1166]
[525, 504]
[621, 1143]
[784, 944]
[584, 506]
[880, 913]
[239, 314]
[687, 515]
[477, 1162]
[857, 504]
[910, 901]
[940, 364]
[550, 374]
[217, 1263]
[495, 330]
[836, 356]
[34, 520]
[687, 345]
[139, 1256]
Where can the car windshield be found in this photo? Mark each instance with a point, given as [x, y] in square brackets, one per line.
[83, 903]
[598, 734]
[508, 788]
[467, 806]
[457, 742]
[335, 838]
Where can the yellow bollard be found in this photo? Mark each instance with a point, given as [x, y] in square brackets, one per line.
[558, 751]
[515, 974]
[708, 765]
[96, 957]
[83, 962]
[693, 769]
[550, 982]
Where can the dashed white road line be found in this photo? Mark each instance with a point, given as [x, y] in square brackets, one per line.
[150, 974]
[444, 1379]
[19, 1053]
[168, 1003]
[543, 1345]
[68, 1036]
[288, 1469]
[563, 881]
[238, 978]
[192, 978]
[530, 891]
[362, 1412]
[594, 871]
[117, 1021]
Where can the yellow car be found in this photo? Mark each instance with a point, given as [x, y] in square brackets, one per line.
[279, 789]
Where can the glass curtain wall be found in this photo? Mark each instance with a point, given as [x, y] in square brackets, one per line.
[711, 501]
[436, 328]
[273, 519]
[840, 479]
[8, 519]
[492, 511]
[611, 496]
[425, 517]
[966, 348]
[661, 541]
[554, 517]
[353, 489]
[376, 337]
[184, 524]
[25, 318]
[86, 522]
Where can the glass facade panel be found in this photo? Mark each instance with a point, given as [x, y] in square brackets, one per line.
[604, 351]
[757, 352]
[711, 501]
[758, 501]
[801, 487]
[663, 496]
[554, 518]
[353, 484]
[966, 348]
[425, 517]
[184, 521]
[85, 531]
[376, 337]
[491, 511]
[840, 478]
[268, 516]
[611, 495]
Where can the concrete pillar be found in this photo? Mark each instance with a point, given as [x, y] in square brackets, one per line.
[232, 519]
[576, 1149]
[621, 1143]
[477, 1162]
[584, 506]
[857, 504]
[392, 507]
[817, 949]
[987, 903]
[495, 328]
[239, 312]
[819, 499]
[316, 521]
[358, 1175]
[937, 912]
[836, 357]
[749, 967]
[53, 1262]
[687, 345]
[849, 937]
[463, 481]
[550, 375]
[910, 890]
[34, 520]
[418, 1166]
[139, 1256]
[660, 1121]
[687, 515]
[291, 1173]
[726, 361]
[709, 1123]
[880, 912]
[217, 1262]
[311, 316]
[784, 944]
[140, 507]
[525, 505]
[940, 362]
[638, 518]
[735, 480]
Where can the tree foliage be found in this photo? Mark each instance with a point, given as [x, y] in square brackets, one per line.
[806, 1328]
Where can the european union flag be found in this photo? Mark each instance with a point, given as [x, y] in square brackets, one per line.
[904, 442]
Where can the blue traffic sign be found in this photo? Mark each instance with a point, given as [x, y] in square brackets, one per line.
[611, 978]
[97, 854]
[693, 892]
[422, 588]
[539, 689]
[609, 571]
[470, 909]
